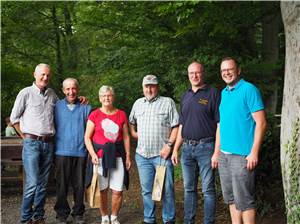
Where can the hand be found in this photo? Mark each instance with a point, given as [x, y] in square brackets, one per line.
[174, 158]
[128, 162]
[95, 159]
[252, 161]
[165, 151]
[83, 100]
[214, 160]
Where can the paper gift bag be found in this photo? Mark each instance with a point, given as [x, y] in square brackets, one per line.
[92, 193]
[158, 184]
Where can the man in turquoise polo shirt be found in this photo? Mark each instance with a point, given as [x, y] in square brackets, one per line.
[238, 139]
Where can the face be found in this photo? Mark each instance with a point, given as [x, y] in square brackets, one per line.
[106, 99]
[195, 73]
[42, 77]
[70, 90]
[150, 91]
[230, 72]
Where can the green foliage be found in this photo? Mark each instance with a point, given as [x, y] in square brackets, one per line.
[14, 78]
[292, 176]
[268, 173]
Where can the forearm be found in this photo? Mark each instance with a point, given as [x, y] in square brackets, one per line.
[173, 135]
[127, 145]
[17, 127]
[89, 146]
[259, 134]
[179, 139]
[260, 130]
[133, 132]
[217, 142]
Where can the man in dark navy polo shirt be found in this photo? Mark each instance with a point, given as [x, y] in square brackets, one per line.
[198, 120]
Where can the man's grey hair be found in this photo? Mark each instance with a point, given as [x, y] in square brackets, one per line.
[103, 89]
[70, 80]
[41, 65]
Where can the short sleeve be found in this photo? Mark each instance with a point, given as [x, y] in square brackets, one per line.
[132, 117]
[174, 117]
[124, 117]
[92, 117]
[254, 99]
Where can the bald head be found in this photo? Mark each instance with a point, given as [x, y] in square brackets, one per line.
[196, 75]
[70, 80]
[196, 64]
[70, 89]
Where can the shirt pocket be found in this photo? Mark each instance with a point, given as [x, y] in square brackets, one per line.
[139, 115]
[162, 118]
[36, 108]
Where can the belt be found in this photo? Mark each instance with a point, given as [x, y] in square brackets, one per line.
[44, 138]
[197, 142]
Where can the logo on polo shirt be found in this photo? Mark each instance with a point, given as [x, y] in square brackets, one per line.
[203, 101]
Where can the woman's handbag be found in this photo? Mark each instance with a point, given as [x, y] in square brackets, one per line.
[158, 184]
[92, 193]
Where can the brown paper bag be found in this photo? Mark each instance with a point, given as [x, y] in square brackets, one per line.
[158, 184]
[92, 193]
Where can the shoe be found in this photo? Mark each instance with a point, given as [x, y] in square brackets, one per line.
[39, 221]
[79, 220]
[61, 220]
[105, 222]
[115, 222]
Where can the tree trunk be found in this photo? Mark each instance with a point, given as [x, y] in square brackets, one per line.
[290, 144]
[70, 39]
[59, 62]
[270, 47]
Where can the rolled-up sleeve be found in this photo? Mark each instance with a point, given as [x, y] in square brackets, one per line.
[19, 107]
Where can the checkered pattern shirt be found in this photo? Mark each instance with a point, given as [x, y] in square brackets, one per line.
[154, 120]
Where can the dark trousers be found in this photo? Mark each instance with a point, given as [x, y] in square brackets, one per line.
[69, 170]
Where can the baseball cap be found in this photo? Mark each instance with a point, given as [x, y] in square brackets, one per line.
[150, 79]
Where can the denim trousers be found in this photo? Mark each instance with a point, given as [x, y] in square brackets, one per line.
[196, 160]
[69, 170]
[37, 159]
[146, 169]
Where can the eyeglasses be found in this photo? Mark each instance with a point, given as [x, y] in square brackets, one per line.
[106, 96]
[227, 70]
[194, 73]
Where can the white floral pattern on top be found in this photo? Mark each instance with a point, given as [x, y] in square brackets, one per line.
[111, 129]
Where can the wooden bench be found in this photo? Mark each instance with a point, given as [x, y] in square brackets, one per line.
[11, 154]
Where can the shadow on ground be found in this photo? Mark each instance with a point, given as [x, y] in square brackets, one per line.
[132, 209]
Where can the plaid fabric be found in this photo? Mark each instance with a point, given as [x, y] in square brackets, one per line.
[154, 120]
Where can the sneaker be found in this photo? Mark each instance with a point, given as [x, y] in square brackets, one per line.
[115, 222]
[79, 220]
[105, 222]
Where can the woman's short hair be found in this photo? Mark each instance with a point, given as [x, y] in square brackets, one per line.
[103, 89]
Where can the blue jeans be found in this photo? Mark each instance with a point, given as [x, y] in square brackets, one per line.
[146, 169]
[196, 160]
[37, 159]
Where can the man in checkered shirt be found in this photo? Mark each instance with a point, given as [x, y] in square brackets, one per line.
[154, 123]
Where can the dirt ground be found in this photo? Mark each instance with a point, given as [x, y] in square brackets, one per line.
[131, 211]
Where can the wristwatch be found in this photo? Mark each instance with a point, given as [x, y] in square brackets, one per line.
[170, 144]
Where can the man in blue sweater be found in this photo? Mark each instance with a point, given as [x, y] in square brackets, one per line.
[70, 152]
